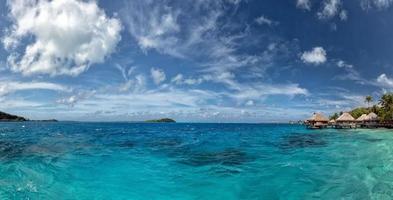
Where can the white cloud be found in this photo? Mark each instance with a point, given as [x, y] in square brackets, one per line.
[350, 73]
[262, 20]
[316, 56]
[135, 84]
[7, 87]
[157, 75]
[180, 80]
[153, 27]
[343, 15]
[303, 4]
[343, 64]
[68, 36]
[385, 81]
[379, 4]
[210, 38]
[330, 9]
[73, 99]
[258, 91]
[250, 103]
[190, 104]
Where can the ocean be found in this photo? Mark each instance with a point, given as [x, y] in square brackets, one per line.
[71, 160]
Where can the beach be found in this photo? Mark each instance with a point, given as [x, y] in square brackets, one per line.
[68, 160]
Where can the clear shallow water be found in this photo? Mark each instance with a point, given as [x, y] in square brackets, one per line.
[192, 161]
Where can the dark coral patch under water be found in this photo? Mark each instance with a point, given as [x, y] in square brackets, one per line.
[126, 144]
[9, 149]
[302, 141]
[165, 143]
[229, 157]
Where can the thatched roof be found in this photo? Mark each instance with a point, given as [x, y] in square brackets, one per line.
[332, 121]
[362, 117]
[371, 116]
[345, 117]
[317, 117]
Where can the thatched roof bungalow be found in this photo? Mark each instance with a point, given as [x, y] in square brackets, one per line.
[317, 121]
[345, 121]
[361, 118]
[318, 117]
[345, 117]
[371, 120]
[371, 117]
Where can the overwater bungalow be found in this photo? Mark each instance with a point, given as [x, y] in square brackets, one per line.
[360, 121]
[345, 121]
[332, 123]
[317, 121]
[371, 120]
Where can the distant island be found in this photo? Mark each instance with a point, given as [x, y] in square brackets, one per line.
[5, 117]
[163, 120]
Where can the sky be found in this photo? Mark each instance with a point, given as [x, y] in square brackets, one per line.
[192, 60]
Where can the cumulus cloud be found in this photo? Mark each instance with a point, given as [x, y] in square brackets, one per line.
[303, 4]
[7, 87]
[262, 20]
[62, 37]
[316, 56]
[157, 75]
[385, 81]
[332, 8]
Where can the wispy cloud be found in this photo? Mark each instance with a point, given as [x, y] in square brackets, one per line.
[262, 20]
[7, 87]
[379, 4]
[75, 98]
[180, 80]
[210, 37]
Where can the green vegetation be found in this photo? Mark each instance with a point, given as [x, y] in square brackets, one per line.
[8, 117]
[163, 120]
[334, 116]
[357, 112]
[384, 108]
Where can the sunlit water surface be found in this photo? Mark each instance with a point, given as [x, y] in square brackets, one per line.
[193, 161]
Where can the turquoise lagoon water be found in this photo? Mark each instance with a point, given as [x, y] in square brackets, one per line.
[193, 161]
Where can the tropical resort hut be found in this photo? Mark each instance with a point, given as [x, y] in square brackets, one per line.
[360, 120]
[345, 121]
[317, 121]
[371, 120]
[332, 123]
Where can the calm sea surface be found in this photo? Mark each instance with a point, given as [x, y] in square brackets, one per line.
[193, 161]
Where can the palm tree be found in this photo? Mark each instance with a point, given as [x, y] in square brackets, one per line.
[368, 100]
[386, 103]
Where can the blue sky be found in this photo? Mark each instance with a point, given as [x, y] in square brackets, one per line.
[199, 61]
